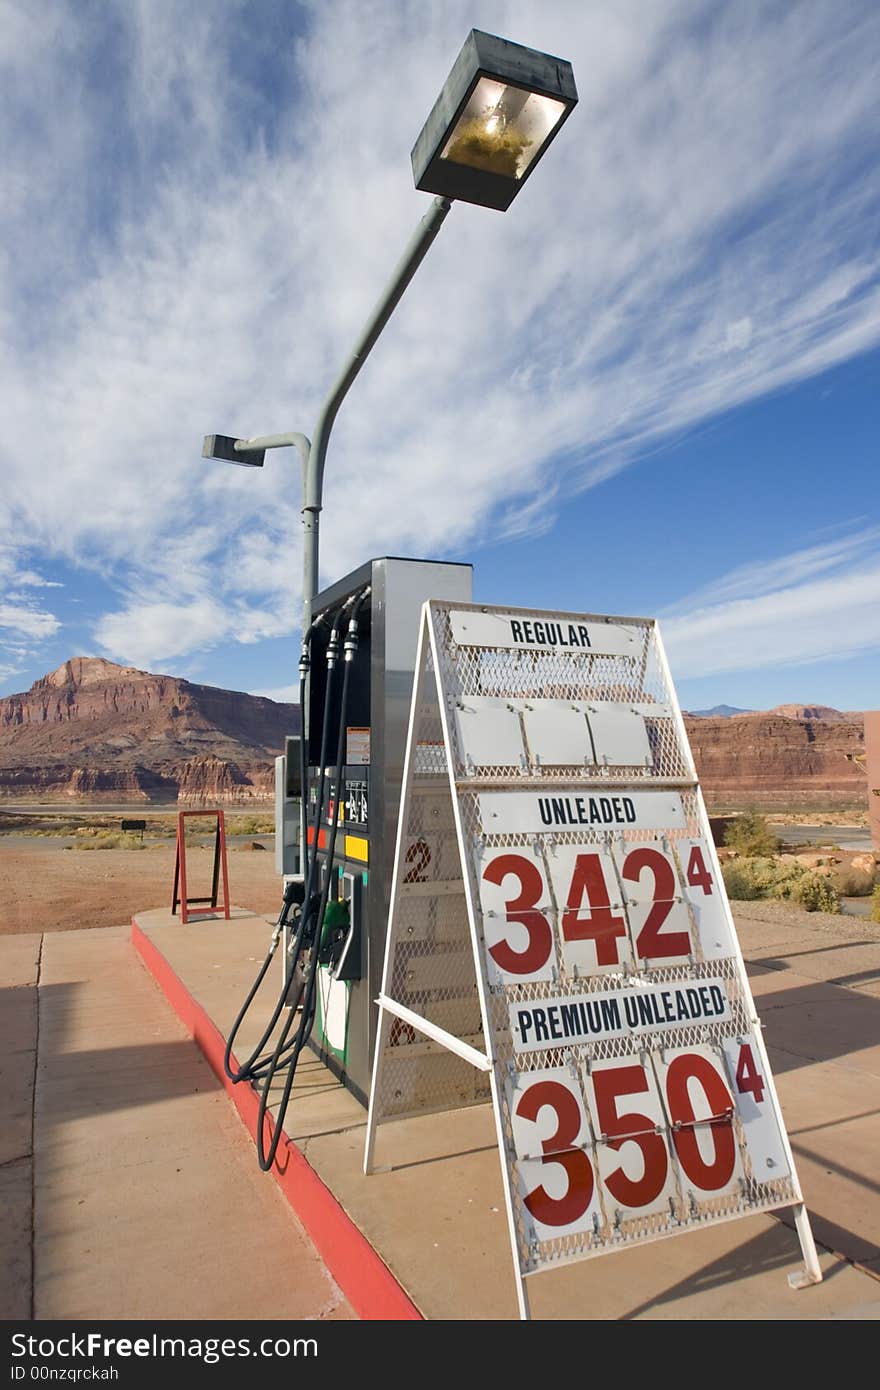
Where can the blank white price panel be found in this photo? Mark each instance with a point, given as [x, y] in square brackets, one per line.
[763, 1136]
[702, 892]
[700, 1108]
[628, 1121]
[620, 738]
[658, 917]
[517, 915]
[557, 734]
[489, 733]
[590, 910]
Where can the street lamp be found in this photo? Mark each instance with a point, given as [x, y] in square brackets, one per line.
[499, 108]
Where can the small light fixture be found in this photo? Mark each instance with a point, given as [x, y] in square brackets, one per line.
[222, 446]
[500, 107]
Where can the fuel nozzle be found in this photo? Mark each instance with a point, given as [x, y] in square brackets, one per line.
[337, 924]
[351, 636]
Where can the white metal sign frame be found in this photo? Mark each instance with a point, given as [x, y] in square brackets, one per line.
[560, 942]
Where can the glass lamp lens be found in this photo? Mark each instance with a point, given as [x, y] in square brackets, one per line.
[502, 129]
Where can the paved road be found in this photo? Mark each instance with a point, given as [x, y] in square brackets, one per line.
[849, 837]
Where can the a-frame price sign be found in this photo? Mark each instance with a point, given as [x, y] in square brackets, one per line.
[560, 942]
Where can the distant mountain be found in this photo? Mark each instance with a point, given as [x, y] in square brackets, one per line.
[718, 712]
[812, 712]
[94, 730]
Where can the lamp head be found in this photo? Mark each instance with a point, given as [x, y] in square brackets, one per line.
[500, 107]
[222, 446]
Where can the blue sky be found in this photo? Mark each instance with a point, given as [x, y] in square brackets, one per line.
[650, 387]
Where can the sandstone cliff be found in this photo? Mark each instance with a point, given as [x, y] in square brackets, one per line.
[779, 761]
[95, 731]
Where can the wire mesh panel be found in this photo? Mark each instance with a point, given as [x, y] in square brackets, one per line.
[558, 909]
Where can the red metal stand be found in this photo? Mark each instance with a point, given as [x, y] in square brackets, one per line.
[186, 908]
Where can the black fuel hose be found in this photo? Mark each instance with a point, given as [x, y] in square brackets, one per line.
[307, 1014]
[249, 1069]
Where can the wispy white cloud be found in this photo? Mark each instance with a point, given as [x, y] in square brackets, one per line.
[793, 611]
[283, 694]
[26, 620]
[785, 571]
[24, 624]
[216, 220]
[146, 632]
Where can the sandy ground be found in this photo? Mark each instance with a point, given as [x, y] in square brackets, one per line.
[44, 887]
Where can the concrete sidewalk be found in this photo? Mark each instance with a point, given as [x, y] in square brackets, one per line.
[437, 1217]
[147, 1202]
[816, 982]
[19, 970]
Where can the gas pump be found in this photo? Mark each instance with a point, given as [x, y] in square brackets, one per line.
[356, 671]
[366, 798]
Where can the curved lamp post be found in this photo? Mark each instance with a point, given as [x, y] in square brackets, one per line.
[499, 108]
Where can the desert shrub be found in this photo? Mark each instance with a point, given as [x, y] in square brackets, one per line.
[750, 835]
[250, 825]
[108, 839]
[816, 893]
[783, 879]
[875, 904]
[738, 882]
[773, 878]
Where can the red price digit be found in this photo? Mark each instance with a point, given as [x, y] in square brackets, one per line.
[710, 1177]
[748, 1078]
[521, 909]
[696, 873]
[601, 926]
[401, 1033]
[559, 1211]
[650, 944]
[418, 856]
[630, 1127]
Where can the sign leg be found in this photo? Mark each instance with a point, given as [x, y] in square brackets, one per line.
[522, 1296]
[811, 1272]
[372, 1121]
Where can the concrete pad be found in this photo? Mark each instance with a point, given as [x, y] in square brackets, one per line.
[15, 1239]
[833, 1118]
[148, 1201]
[845, 953]
[811, 1021]
[439, 1220]
[437, 1217]
[19, 964]
[824, 1043]
[19, 967]
[225, 957]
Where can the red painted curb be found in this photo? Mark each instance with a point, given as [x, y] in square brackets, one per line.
[360, 1272]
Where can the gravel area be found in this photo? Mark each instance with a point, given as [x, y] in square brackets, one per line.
[789, 914]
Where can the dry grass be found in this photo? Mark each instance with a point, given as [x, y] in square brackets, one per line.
[91, 838]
